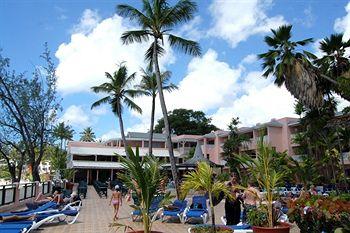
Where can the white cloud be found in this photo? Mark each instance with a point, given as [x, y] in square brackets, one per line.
[87, 22]
[190, 29]
[76, 116]
[261, 102]
[99, 111]
[249, 59]
[109, 135]
[236, 20]
[95, 48]
[343, 24]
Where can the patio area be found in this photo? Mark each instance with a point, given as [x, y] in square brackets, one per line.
[96, 215]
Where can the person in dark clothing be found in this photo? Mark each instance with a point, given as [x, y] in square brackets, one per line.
[233, 206]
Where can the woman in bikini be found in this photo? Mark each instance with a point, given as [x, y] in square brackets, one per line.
[116, 200]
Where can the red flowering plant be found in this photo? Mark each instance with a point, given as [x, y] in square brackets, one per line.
[320, 214]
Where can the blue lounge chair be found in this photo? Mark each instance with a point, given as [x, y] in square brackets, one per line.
[177, 212]
[198, 209]
[153, 210]
[26, 226]
[46, 206]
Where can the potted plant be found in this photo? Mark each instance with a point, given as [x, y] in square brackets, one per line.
[144, 177]
[263, 218]
[68, 174]
[202, 180]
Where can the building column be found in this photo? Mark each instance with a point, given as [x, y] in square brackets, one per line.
[95, 158]
[111, 174]
[87, 176]
[97, 174]
[143, 144]
[204, 147]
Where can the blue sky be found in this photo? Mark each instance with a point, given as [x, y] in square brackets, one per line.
[225, 82]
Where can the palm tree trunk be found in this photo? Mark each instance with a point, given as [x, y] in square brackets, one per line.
[150, 144]
[165, 117]
[121, 125]
[212, 212]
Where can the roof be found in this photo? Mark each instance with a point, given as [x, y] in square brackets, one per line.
[94, 164]
[197, 157]
[145, 135]
[111, 151]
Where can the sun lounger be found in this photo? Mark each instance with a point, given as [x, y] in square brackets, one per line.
[177, 211]
[44, 207]
[198, 209]
[153, 210]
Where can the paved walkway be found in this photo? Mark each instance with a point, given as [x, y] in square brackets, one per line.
[96, 215]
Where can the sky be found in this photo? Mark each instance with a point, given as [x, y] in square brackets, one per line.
[225, 82]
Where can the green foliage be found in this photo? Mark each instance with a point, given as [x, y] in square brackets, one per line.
[58, 158]
[187, 121]
[208, 229]
[144, 177]
[87, 135]
[202, 180]
[223, 177]
[63, 133]
[4, 173]
[69, 173]
[317, 213]
[263, 170]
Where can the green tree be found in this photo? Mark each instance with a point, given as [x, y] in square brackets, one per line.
[291, 67]
[156, 20]
[87, 135]
[187, 121]
[118, 94]
[28, 108]
[202, 180]
[149, 87]
[232, 145]
[335, 64]
[63, 133]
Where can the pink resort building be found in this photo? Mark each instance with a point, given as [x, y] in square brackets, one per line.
[98, 161]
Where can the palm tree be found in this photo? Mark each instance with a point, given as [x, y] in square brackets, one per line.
[63, 133]
[87, 135]
[148, 85]
[156, 19]
[335, 64]
[202, 180]
[118, 94]
[291, 67]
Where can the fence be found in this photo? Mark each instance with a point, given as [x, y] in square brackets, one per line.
[14, 193]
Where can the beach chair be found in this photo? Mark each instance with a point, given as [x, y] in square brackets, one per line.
[153, 210]
[198, 209]
[25, 226]
[46, 206]
[177, 211]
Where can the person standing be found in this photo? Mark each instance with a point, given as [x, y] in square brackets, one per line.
[251, 197]
[233, 206]
[116, 200]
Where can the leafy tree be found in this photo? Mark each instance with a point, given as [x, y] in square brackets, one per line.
[202, 180]
[87, 135]
[118, 94]
[28, 107]
[232, 145]
[156, 20]
[63, 133]
[149, 87]
[187, 121]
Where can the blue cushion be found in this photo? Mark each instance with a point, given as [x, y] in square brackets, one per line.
[195, 213]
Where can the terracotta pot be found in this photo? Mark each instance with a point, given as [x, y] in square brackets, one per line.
[141, 231]
[282, 228]
[218, 228]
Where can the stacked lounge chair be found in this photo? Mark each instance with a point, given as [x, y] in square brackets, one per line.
[101, 188]
[197, 210]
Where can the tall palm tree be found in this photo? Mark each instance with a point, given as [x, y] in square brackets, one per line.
[156, 19]
[87, 135]
[335, 64]
[149, 85]
[63, 132]
[118, 93]
[292, 67]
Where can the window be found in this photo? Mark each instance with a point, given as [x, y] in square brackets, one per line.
[211, 142]
[208, 156]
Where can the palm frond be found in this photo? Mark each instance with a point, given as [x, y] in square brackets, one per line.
[182, 11]
[138, 36]
[104, 100]
[188, 46]
[132, 105]
[133, 14]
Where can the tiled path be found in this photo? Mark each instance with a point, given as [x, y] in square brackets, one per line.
[96, 215]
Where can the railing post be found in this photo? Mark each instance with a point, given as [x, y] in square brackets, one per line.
[16, 193]
[37, 190]
[25, 192]
[3, 195]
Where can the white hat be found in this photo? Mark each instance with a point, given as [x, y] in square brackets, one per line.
[116, 187]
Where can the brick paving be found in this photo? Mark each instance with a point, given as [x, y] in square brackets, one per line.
[96, 215]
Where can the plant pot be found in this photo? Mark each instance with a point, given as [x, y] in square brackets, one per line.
[69, 185]
[141, 231]
[282, 228]
[205, 229]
